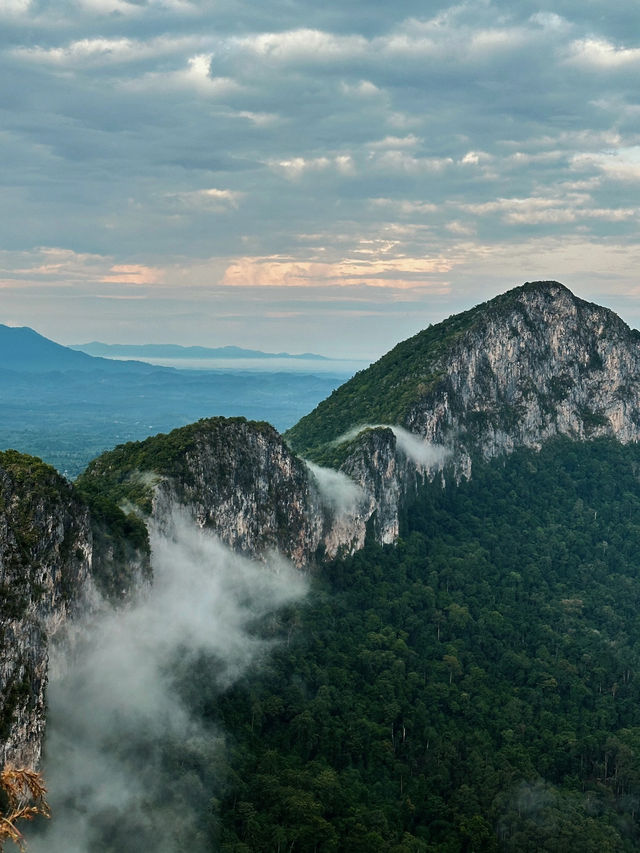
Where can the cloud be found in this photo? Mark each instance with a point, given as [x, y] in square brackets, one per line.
[395, 142]
[304, 45]
[405, 206]
[54, 265]
[396, 272]
[620, 165]
[423, 453]
[571, 207]
[550, 21]
[123, 705]
[109, 7]
[451, 37]
[196, 77]
[10, 8]
[108, 51]
[336, 489]
[212, 198]
[598, 54]
[132, 274]
[397, 160]
[297, 166]
[51, 263]
[361, 89]
[475, 158]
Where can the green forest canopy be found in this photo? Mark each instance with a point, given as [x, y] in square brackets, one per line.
[476, 687]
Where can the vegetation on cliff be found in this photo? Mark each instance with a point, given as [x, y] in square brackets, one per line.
[384, 392]
[30, 492]
[22, 798]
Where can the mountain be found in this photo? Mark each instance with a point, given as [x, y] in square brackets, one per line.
[23, 350]
[463, 674]
[174, 351]
[531, 364]
[528, 366]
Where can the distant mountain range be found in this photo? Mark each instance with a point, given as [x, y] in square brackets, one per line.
[24, 350]
[96, 348]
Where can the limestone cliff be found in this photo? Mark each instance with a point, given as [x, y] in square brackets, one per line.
[538, 362]
[239, 479]
[234, 476]
[531, 364]
[45, 551]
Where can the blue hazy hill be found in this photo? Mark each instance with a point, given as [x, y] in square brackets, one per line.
[175, 351]
[24, 350]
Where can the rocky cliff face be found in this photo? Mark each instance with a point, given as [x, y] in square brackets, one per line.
[45, 551]
[538, 363]
[239, 479]
[534, 363]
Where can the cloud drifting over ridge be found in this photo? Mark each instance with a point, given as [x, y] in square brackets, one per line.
[172, 134]
[423, 453]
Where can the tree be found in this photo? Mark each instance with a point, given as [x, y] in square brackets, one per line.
[22, 793]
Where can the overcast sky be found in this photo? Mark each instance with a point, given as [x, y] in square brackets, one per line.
[301, 175]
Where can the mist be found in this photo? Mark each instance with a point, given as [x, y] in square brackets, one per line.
[130, 762]
[423, 453]
[337, 491]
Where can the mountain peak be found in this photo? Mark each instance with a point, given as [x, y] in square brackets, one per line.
[532, 295]
[548, 288]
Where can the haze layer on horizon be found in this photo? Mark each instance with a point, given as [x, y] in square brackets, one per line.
[307, 176]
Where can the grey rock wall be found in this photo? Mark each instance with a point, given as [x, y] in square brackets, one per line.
[45, 554]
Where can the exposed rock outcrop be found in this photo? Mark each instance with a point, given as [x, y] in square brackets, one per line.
[534, 363]
[45, 552]
[538, 362]
[240, 479]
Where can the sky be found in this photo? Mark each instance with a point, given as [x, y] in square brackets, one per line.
[305, 176]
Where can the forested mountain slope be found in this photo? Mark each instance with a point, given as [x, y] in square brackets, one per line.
[476, 687]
